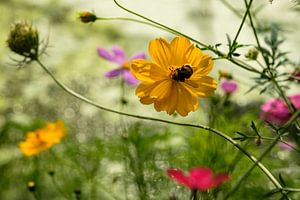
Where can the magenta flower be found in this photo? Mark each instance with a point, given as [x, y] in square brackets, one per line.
[276, 111]
[198, 178]
[118, 56]
[229, 86]
[287, 146]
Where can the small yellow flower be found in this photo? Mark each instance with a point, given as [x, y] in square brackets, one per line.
[42, 139]
[175, 78]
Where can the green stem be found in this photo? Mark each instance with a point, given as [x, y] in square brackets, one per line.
[256, 36]
[160, 25]
[194, 194]
[241, 25]
[270, 147]
[133, 20]
[217, 132]
[173, 31]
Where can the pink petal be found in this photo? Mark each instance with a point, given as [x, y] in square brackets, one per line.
[119, 54]
[201, 178]
[275, 111]
[295, 99]
[129, 78]
[178, 175]
[229, 86]
[113, 73]
[105, 54]
[138, 55]
[220, 178]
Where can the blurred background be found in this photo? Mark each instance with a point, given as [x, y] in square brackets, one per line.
[28, 97]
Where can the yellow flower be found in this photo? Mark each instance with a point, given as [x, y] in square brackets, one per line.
[175, 78]
[42, 139]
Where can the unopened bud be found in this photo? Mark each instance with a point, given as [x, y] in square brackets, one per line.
[252, 54]
[224, 74]
[51, 173]
[31, 186]
[258, 141]
[87, 17]
[24, 40]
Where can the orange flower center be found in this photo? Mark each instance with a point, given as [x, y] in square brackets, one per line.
[181, 73]
[126, 65]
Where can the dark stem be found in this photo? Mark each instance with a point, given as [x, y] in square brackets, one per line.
[194, 194]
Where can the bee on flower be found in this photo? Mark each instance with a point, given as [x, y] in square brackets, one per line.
[176, 76]
[43, 138]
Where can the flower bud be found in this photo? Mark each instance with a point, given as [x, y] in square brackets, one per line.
[252, 54]
[31, 186]
[24, 40]
[87, 17]
[225, 74]
[258, 141]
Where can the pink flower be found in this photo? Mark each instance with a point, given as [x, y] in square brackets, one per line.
[118, 56]
[276, 111]
[198, 179]
[229, 86]
[287, 146]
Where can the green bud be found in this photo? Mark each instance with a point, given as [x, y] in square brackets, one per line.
[252, 54]
[31, 186]
[87, 17]
[24, 40]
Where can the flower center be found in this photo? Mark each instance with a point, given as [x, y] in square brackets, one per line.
[182, 73]
[126, 65]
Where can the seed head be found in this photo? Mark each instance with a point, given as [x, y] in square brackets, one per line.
[24, 40]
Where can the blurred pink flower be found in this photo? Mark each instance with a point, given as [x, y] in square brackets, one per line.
[276, 111]
[118, 56]
[198, 179]
[229, 86]
[287, 146]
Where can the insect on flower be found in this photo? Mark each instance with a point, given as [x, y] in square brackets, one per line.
[176, 76]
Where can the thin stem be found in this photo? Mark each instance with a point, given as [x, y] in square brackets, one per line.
[134, 20]
[255, 35]
[173, 31]
[241, 25]
[230, 7]
[270, 147]
[217, 132]
[194, 194]
[159, 24]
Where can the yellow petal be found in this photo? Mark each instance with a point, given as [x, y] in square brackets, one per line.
[144, 89]
[179, 47]
[160, 52]
[187, 101]
[145, 71]
[204, 87]
[162, 90]
[202, 67]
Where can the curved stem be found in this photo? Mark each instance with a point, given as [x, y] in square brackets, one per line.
[134, 20]
[246, 174]
[217, 132]
[161, 25]
[173, 31]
